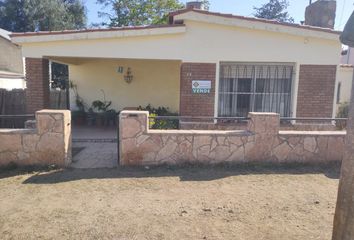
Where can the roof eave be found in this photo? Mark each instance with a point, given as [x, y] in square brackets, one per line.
[97, 33]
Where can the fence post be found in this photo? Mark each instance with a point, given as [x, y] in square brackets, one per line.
[132, 124]
[265, 126]
[54, 129]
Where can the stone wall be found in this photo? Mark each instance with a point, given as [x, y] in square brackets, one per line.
[49, 143]
[261, 141]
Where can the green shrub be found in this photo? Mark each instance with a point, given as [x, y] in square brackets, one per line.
[343, 112]
[160, 123]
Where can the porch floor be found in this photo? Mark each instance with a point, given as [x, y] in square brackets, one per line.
[94, 132]
[94, 147]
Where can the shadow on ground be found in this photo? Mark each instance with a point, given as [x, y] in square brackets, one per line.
[185, 173]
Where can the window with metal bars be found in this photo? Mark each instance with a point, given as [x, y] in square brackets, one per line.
[247, 88]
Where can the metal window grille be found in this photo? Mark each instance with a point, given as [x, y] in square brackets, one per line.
[247, 88]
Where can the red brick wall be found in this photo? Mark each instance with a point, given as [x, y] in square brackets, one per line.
[192, 104]
[37, 81]
[316, 90]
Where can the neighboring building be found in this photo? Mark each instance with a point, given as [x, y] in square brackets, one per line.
[200, 64]
[344, 83]
[345, 76]
[347, 56]
[11, 63]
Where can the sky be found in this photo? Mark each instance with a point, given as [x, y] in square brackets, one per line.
[245, 8]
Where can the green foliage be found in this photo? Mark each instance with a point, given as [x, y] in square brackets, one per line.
[275, 10]
[48, 15]
[343, 112]
[160, 123]
[101, 106]
[60, 75]
[137, 12]
[78, 100]
[39, 15]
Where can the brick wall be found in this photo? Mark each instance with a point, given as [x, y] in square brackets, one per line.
[316, 90]
[37, 77]
[192, 104]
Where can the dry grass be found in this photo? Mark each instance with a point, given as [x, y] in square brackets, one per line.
[239, 202]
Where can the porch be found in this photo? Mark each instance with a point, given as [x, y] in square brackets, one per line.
[94, 147]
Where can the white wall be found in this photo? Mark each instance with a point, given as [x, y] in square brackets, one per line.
[202, 42]
[344, 77]
[12, 83]
[154, 82]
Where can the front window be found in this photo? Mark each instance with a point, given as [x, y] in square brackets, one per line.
[247, 88]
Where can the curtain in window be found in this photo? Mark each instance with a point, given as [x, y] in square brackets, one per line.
[259, 88]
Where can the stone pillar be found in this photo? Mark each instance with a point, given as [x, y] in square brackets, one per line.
[37, 81]
[265, 127]
[54, 130]
[132, 125]
[343, 226]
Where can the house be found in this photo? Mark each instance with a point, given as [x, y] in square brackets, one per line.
[345, 76]
[200, 64]
[344, 83]
[11, 63]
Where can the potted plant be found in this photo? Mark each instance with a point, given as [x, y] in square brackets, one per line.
[78, 116]
[103, 113]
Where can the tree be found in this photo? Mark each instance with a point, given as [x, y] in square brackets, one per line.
[139, 12]
[39, 15]
[59, 76]
[275, 10]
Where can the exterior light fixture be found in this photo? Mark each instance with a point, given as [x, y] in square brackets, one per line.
[128, 77]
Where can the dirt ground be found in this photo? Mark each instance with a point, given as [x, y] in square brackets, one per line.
[238, 202]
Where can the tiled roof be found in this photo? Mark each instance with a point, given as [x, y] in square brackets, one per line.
[252, 19]
[18, 34]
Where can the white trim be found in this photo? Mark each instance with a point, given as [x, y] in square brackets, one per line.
[216, 99]
[99, 34]
[334, 110]
[5, 34]
[295, 89]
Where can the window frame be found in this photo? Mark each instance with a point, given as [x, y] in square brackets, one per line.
[253, 93]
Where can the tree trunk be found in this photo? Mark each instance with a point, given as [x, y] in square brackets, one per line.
[343, 226]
